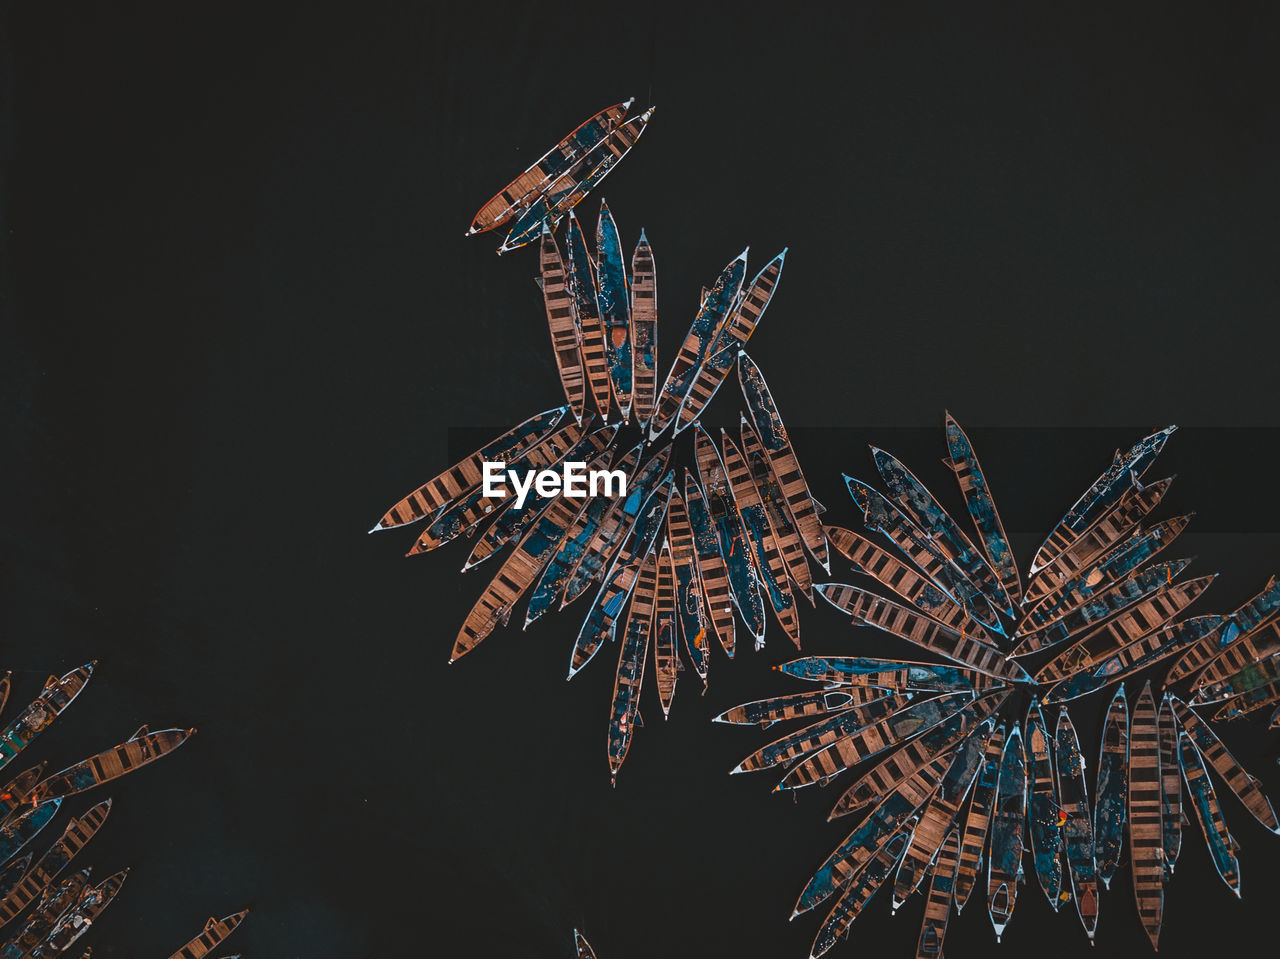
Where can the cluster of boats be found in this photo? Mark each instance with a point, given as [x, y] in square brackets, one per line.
[698, 551]
[562, 177]
[44, 911]
[957, 763]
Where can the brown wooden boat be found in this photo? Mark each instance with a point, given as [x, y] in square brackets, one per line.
[1217, 680]
[711, 567]
[1253, 615]
[781, 526]
[54, 903]
[463, 515]
[1077, 822]
[729, 340]
[74, 923]
[835, 699]
[1146, 830]
[511, 200]
[584, 948]
[694, 622]
[973, 839]
[644, 331]
[982, 509]
[57, 695]
[855, 896]
[214, 932]
[1125, 629]
[764, 547]
[1247, 789]
[629, 678]
[140, 749]
[903, 579]
[563, 324]
[1106, 533]
[1111, 808]
[882, 733]
[782, 458]
[872, 610]
[1170, 786]
[5, 684]
[19, 789]
[666, 656]
[584, 294]
[1223, 847]
[615, 308]
[1008, 831]
[466, 475]
[938, 906]
[39, 878]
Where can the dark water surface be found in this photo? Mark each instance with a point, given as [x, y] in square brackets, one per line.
[241, 319]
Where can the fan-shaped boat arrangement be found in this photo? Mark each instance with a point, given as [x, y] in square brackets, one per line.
[43, 911]
[959, 762]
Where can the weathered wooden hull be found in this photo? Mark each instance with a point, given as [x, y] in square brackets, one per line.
[1043, 821]
[35, 881]
[711, 567]
[854, 898]
[938, 905]
[1222, 845]
[584, 295]
[57, 695]
[212, 936]
[1077, 823]
[615, 308]
[644, 331]
[694, 622]
[1008, 828]
[982, 509]
[1170, 786]
[18, 830]
[562, 322]
[666, 653]
[1112, 799]
[973, 839]
[629, 678]
[786, 537]
[145, 747]
[833, 699]
[1259, 611]
[1146, 828]
[1246, 788]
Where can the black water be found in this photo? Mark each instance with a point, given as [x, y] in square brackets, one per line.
[241, 320]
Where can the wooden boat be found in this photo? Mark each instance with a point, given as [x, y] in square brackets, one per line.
[1125, 470]
[629, 680]
[1077, 823]
[764, 548]
[782, 528]
[1104, 535]
[694, 623]
[466, 475]
[57, 695]
[914, 587]
[12, 873]
[1239, 667]
[940, 813]
[727, 344]
[583, 947]
[1262, 610]
[782, 458]
[211, 936]
[584, 294]
[1247, 789]
[1137, 621]
[1008, 825]
[141, 748]
[711, 567]
[644, 331]
[580, 538]
[938, 906]
[562, 321]
[1146, 829]
[517, 572]
[1252, 701]
[973, 839]
[1111, 811]
[19, 790]
[832, 699]
[565, 192]
[463, 515]
[854, 898]
[53, 904]
[982, 509]
[1170, 787]
[1114, 566]
[872, 610]
[915, 499]
[614, 527]
[1222, 845]
[5, 685]
[1043, 805]
[740, 569]
[41, 876]
[615, 308]
[882, 732]
[512, 522]
[509, 202]
[74, 923]
[895, 674]
[827, 732]
[914, 543]
[1138, 655]
[601, 621]
[666, 655]
[1140, 584]
[711, 315]
[17, 831]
